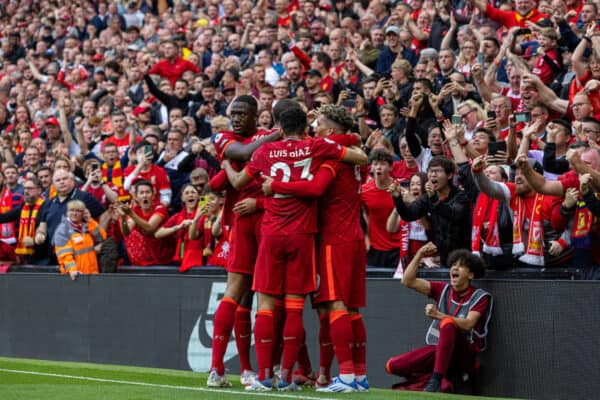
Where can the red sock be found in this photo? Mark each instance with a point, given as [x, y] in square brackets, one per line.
[343, 340]
[278, 321]
[222, 332]
[243, 329]
[359, 354]
[325, 347]
[293, 335]
[263, 338]
[304, 366]
[445, 346]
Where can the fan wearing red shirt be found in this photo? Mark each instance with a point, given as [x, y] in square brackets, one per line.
[242, 211]
[547, 65]
[120, 137]
[459, 323]
[524, 11]
[172, 67]
[384, 247]
[145, 170]
[286, 259]
[138, 225]
[341, 256]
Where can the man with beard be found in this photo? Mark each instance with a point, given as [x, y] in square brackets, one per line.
[447, 206]
[243, 211]
[536, 243]
[293, 73]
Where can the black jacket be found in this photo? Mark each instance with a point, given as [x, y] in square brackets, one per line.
[450, 222]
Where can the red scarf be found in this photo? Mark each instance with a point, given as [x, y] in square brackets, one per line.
[27, 226]
[534, 254]
[486, 206]
[7, 229]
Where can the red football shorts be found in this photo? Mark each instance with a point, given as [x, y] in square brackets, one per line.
[244, 239]
[342, 270]
[286, 265]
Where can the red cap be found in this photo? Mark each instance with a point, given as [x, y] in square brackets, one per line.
[139, 109]
[98, 57]
[52, 121]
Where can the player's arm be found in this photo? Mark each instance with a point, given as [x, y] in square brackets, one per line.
[237, 179]
[302, 188]
[410, 279]
[354, 155]
[237, 151]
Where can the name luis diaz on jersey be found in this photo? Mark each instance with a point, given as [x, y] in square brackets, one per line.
[296, 153]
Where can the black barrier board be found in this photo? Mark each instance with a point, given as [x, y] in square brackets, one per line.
[543, 341]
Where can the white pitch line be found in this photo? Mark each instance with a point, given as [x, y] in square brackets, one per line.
[197, 389]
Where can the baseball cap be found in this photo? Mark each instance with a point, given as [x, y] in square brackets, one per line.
[52, 121]
[392, 29]
[139, 110]
[313, 72]
[98, 57]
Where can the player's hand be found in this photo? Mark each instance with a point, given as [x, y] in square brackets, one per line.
[266, 186]
[431, 311]
[244, 207]
[585, 180]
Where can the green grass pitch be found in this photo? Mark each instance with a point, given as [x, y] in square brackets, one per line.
[22, 379]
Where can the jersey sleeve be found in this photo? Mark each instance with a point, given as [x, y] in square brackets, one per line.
[327, 149]
[255, 165]
[222, 140]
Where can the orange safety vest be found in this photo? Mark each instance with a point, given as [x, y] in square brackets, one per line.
[74, 249]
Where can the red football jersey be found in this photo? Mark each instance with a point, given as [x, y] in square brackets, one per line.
[288, 161]
[253, 189]
[339, 207]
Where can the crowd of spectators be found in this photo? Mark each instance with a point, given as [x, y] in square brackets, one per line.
[481, 120]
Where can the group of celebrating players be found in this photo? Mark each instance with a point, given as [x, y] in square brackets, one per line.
[301, 237]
